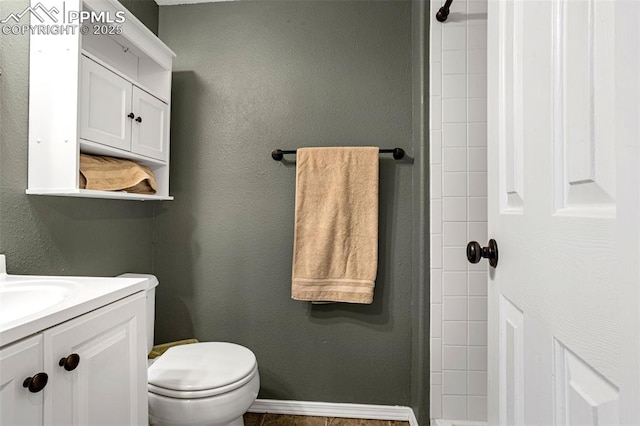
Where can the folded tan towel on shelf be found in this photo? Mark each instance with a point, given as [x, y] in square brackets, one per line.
[115, 174]
[335, 249]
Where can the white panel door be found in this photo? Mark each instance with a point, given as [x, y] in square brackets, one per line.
[108, 384]
[563, 207]
[105, 106]
[150, 132]
[21, 360]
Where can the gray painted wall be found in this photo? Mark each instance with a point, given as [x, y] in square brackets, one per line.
[420, 373]
[145, 10]
[251, 77]
[50, 235]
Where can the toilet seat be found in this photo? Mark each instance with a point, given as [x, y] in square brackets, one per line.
[201, 370]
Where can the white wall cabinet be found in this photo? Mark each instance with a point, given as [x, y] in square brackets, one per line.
[116, 113]
[97, 94]
[107, 385]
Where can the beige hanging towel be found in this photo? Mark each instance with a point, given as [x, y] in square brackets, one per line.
[335, 249]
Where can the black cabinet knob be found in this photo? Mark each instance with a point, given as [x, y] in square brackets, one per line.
[70, 363]
[131, 115]
[139, 119]
[36, 383]
[475, 252]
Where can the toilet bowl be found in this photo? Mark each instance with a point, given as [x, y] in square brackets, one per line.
[203, 384]
[199, 384]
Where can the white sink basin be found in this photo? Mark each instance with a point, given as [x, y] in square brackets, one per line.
[31, 303]
[20, 299]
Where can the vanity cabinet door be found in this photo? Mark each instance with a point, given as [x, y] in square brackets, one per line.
[18, 404]
[98, 367]
[150, 131]
[105, 106]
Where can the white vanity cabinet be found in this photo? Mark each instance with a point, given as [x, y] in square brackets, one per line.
[20, 361]
[116, 113]
[109, 384]
[96, 367]
[96, 93]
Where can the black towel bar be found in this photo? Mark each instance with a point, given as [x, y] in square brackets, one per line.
[278, 154]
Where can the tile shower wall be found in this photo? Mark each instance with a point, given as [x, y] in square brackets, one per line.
[458, 150]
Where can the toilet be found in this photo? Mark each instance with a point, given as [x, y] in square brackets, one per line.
[199, 384]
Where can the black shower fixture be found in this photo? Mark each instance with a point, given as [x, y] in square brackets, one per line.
[442, 14]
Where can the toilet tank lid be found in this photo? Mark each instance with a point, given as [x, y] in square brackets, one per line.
[152, 281]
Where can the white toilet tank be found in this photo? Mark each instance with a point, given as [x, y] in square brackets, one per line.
[151, 304]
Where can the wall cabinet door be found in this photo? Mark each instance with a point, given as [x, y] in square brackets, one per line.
[19, 406]
[116, 113]
[150, 131]
[105, 106]
[109, 384]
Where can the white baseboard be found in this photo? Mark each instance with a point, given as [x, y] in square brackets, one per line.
[334, 409]
[444, 422]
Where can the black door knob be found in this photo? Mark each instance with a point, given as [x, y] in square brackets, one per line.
[131, 115]
[70, 363]
[139, 119]
[36, 383]
[475, 252]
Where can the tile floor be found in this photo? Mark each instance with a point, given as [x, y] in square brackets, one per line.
[259, 419]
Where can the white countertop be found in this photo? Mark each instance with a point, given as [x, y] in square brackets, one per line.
[30, 303]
